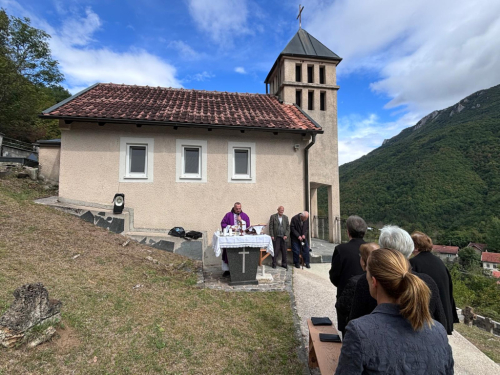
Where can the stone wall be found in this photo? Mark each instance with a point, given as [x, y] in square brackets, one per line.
[12, 152]
[193, 249]
[484, 323]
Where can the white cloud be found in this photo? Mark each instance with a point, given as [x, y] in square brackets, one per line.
[84, 65]
[358, 135]
[221, 19]
[428, 54]
[200, 77]
[240, 69]
[185, 51]
[77, 30]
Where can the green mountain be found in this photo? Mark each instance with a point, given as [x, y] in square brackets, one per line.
[441, 176]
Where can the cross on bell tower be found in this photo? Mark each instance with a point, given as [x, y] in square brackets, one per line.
[299, 17]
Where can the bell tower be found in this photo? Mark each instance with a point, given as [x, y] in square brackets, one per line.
[304, 74]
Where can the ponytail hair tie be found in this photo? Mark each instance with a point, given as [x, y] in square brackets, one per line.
[404, 275]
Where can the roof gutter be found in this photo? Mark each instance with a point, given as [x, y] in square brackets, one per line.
[184, 124]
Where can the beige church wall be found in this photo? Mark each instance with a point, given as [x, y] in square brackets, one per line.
[49, 160]
[90, 173]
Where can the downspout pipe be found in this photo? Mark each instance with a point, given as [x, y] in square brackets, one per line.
[306, 172]
[306, 169]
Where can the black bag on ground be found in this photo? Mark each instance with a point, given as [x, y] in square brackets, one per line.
[177, 232]
[194, 234]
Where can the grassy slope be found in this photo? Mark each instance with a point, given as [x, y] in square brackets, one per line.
[441, 177]
[488, 343]
[166, 326]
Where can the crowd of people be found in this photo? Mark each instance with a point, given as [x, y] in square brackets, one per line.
[394, 312]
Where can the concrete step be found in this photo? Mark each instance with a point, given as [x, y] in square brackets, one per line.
[322, 251]
[102, 217]
[161, 240]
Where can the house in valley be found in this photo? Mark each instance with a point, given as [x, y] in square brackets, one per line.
[479, 248]
[446, 253]
[490, 261]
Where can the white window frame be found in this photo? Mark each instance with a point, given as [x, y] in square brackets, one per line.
[238, 178]
[180, 145]
[125, 174]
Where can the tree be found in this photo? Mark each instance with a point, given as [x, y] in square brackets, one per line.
[29, 79]
[493, 234]
[29, 51]
[469, 258]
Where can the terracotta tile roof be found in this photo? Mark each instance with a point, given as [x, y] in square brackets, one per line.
[490, 257]
[442, 249]
[143, 104]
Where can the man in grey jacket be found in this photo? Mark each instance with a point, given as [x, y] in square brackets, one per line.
[279, 230]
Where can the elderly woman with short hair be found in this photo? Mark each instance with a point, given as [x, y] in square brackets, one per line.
[428, 263]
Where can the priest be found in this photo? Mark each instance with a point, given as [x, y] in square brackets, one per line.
[235, 217]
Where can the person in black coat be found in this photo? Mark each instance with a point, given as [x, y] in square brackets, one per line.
[299, 230]
[344, 302]
[393, 237]
[428, 263]
[345, 261]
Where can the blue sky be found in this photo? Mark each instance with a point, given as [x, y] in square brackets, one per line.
[401, 59]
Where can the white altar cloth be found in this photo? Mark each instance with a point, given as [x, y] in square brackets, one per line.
[262, 241]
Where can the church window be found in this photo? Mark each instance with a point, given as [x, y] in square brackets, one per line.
[136, 159]
[310, 100]
[310, 73]
[191, 160]
[322, 101]
[241, 162]
[298, 73]
[298, 98]
[322, 75]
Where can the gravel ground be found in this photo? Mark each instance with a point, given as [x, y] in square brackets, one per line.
[315, 296]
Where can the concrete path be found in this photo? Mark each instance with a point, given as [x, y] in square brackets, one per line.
[315, 296]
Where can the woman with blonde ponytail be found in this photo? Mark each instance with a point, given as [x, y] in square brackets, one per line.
[399, 336]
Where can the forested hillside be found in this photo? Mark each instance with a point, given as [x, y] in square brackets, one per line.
[441, 176]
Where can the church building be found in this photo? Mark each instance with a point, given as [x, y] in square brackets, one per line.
[183, 157]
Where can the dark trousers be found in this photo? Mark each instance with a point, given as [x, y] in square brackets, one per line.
[279, 244]
[341, 323]
[296, 252]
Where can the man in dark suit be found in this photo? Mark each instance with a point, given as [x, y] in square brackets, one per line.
[299, 229]
[279, 230]
[345, 261]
